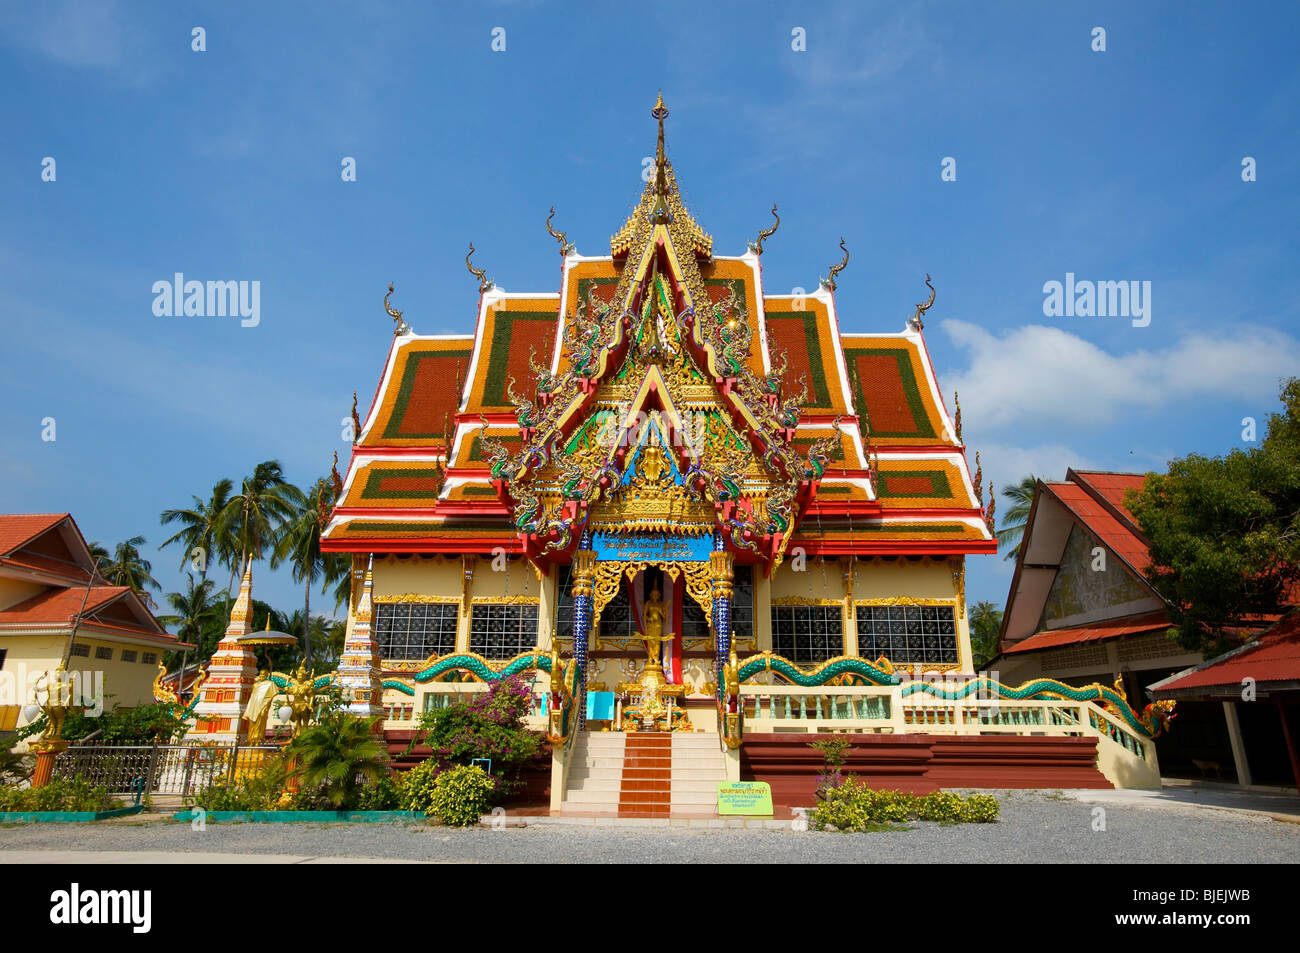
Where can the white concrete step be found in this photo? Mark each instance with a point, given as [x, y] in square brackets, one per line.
[592, 797]
[596, 784]
[697, 784]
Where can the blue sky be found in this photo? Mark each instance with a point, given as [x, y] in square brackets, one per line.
[225, 164]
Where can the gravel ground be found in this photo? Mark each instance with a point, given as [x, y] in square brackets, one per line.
[1035, 827]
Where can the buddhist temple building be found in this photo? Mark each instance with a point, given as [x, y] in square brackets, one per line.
[660, 407]
[686, 507]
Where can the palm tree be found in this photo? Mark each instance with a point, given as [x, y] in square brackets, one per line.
[126, 567]
[202, 527]
[338, 756]
[299, 544]
[1016, 518]
[193, 613]
[985, 626]
[254, 516]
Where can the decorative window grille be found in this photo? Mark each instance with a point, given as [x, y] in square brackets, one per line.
[129, 655]
[149, 658]
[500, 631]
[80, 650]
[103, 652]
[908, 635]
[615, 619]
[808, 634]
[415, 630]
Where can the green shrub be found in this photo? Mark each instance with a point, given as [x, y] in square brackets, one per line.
[383, 795]
[336, 759]
[259, 791]
[852, 806]
[462, 795]
[418, 786]
[941, 806]
[61, 794]
[979, 809]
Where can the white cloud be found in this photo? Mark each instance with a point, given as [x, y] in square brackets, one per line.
[1036, 375]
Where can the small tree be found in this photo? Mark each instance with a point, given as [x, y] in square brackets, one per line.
[1224, 532]
[337, 758]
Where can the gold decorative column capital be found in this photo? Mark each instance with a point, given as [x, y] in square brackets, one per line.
[722, 569]
[584, 572]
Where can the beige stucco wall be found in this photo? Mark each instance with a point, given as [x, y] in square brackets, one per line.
[101, 682]
[14, 591]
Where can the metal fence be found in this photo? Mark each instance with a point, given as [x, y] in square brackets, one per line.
[167, 769]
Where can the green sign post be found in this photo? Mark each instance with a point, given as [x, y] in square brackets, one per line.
[745, 797]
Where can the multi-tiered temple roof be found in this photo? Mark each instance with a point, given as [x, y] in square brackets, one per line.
[778, 429]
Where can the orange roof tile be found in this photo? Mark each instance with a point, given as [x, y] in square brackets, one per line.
[1111, 486]
[1117, 537]
[58, 606]
[19, 528]
[1273, 657]
[1097, 632]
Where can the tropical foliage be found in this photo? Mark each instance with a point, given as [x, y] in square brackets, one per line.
[336, 758]
[1224, 532]
[461, 795]
[60, 794]
[1016, 517]
[854, 807]
[487, 725]
[126, 567]
[985, 627]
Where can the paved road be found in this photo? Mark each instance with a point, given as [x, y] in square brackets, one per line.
[1035, 828]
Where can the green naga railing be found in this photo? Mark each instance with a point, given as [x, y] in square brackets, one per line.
[1153, 719]
[844, 669]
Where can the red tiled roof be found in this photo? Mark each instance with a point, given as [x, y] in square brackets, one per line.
[19, 528]
[1112, 486]
[1273, 657]
[1097, 632]
[58, 606]
[1113, 534]
[31, 562]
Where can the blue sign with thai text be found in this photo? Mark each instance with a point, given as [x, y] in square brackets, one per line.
[651, 547]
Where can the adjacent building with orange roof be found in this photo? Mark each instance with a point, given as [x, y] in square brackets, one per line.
[1081, 610]
[56, 610]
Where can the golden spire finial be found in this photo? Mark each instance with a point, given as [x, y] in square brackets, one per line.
[915, 321]
[660, 215]
[400, 326]
[484, 283]
[829, 281]
[766, 233]
[562, 237]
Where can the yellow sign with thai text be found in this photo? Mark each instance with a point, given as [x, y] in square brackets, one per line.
[745, 797]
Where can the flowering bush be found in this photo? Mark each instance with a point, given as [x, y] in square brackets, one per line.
[852, 806]
[418, 785]
[462, 795]
[487, 725]
[979, 809]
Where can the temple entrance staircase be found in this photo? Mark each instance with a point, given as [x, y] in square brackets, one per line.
[645, 774]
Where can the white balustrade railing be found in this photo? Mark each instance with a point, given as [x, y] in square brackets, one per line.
[1123, 755]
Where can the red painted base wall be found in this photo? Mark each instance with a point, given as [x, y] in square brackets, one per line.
[921, 764]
